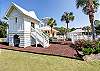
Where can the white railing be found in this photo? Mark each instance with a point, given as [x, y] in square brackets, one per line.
[42, 33]
[40, 37]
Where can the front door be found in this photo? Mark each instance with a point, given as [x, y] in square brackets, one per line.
[16, 40]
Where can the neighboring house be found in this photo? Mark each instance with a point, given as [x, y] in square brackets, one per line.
[46, 28]
[79, 34]
[24, 28]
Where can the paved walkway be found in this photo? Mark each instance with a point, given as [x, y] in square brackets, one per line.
[53, 49]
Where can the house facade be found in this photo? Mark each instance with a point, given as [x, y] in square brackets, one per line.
[79, 34]
[24, 28]
[46, 28]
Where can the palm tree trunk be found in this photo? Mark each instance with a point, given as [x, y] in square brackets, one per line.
[66, 31]
[88, 33]
[51, 31]
[91, 18]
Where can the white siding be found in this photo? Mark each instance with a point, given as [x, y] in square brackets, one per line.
[13, 26]
[27, 25]
[22, 28]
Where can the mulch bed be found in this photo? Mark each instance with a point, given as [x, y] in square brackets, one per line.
[53, 49]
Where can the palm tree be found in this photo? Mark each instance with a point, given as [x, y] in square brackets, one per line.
[51, 22]
[67, 17]
[89, 7]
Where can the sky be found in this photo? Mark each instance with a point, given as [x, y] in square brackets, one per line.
[51, 8]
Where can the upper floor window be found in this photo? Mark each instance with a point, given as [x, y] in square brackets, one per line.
[41, 25]
[32, 24]
[16, 19]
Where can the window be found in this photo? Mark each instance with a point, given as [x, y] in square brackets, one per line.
[16, 19]
[32, 24]
[41, 25]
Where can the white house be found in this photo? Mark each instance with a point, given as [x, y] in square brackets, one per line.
[24, 28]
[79, 34]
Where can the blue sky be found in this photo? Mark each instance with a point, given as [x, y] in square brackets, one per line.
[51, 8]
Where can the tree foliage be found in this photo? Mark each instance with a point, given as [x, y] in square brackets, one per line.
[51, 22]
[67, 17]
[82, 4]
[97, 27]
[89, 7]
[3, 29]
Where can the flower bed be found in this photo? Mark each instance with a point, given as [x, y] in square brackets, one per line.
[87, 47]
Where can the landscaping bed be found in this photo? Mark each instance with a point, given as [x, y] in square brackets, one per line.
[53, 49]
[87, 49]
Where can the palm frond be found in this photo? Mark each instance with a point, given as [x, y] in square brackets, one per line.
[80, 3]
[51, 22]
[67, 17]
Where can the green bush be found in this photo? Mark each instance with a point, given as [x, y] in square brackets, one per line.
[88, 51]
[97, 49]
[87, 46]
[52, 39]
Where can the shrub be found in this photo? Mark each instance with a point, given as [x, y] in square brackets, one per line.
[98, 39]
[87, 46]
[79, 44]
[88, 51]
[52, 39]
[97, 49]
[90, 44]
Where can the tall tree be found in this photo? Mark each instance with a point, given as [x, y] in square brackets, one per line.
[67, 17]
[51, 22]
[89, 7]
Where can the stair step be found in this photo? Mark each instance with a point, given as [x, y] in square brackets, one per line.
[41, 38]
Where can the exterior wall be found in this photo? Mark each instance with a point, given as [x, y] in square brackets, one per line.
[16, 28]
[28, 40]
[43, 24]
[36, 25]
[22, 28]
[75, 37]
[11, 39]
[13, 26]
[27, 31]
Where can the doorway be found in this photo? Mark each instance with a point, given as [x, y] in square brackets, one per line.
[16, 40]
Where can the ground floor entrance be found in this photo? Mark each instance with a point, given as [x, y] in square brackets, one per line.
[16, 40]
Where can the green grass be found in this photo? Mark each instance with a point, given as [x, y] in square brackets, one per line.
[22, 61]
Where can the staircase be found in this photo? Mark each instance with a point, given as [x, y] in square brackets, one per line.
[39, 36]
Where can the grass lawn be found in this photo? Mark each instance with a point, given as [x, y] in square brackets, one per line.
[22, 61]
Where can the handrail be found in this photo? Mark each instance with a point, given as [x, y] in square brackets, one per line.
[36, 31]
[38, 39]
[41, 34]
